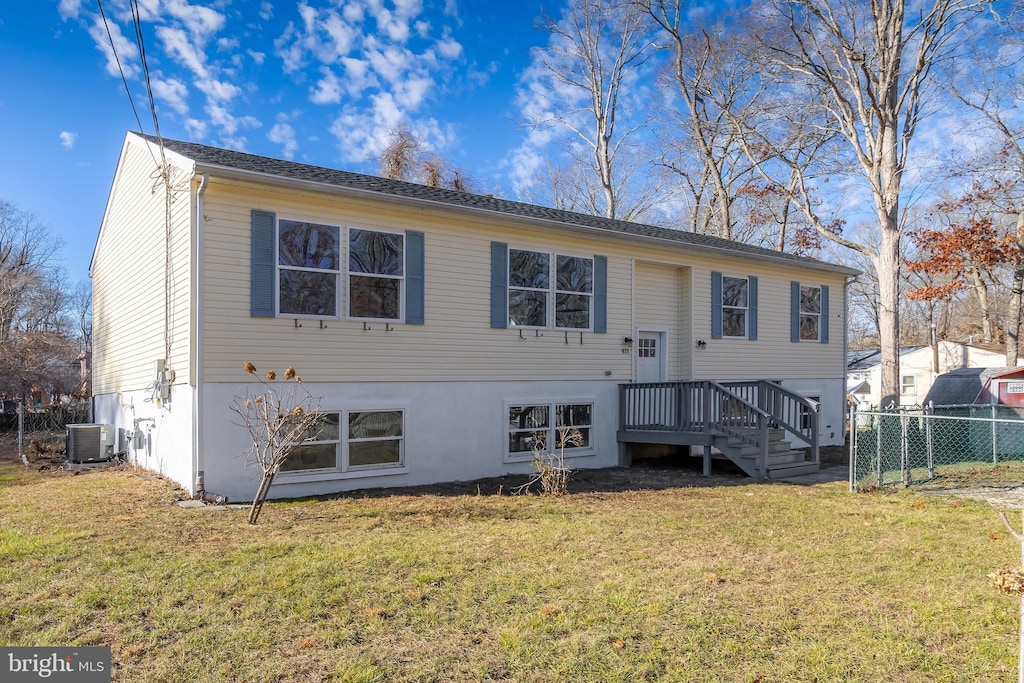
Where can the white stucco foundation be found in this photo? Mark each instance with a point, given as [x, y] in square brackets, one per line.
[163, 442]
[832, 411]
[454, 431]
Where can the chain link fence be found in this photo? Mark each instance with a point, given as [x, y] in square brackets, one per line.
[914, 444]
[42, 430]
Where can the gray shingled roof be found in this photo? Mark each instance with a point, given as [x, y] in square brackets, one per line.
[214, 157]
[960, 386]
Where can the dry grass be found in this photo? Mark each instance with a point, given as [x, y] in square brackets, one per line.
[748, 582]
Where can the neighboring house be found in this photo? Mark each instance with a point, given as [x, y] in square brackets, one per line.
[917, 369]
[444, 333]
[980, 386]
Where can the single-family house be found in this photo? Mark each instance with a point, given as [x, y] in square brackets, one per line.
[445, 334]
[917, 369]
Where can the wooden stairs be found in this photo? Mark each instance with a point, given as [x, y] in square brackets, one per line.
[782, 462]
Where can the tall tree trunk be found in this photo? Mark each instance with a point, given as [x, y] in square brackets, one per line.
[887, 265]
[981, 289]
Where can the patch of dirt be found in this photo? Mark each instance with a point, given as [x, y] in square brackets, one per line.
[645, 475]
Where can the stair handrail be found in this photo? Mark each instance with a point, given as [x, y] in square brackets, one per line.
[781, 413]
[758, 437]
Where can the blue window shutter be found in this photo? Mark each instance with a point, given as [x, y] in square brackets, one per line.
[716, 305]
[824, 314]
[751, 307]
[262, 273]
[600, 294]
[414, 267]
[794, 311]
[499, 285]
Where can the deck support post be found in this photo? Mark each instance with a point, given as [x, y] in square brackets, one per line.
[707, 460]
[625, 457]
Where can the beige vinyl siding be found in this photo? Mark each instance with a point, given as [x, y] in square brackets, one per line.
[128, 277]
[457, 343]
[659, 306]
[772, 355]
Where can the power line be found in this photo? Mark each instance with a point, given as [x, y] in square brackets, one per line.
[113, 50]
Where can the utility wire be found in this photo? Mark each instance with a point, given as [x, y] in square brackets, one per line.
[117, 59]
[165, 177]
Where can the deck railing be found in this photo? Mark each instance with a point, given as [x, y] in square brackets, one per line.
[742, 411]
[796, 414]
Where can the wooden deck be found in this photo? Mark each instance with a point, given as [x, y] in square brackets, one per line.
[753, 424]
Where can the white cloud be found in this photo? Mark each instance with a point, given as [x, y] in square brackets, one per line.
[125, 50]
[68, 138]
[359, 77]
[202, 22]
[227, 123]
[266, 11]
[449, 48]
[411, 92]
[173, 93]
[283, 134]
[328, 88]
[180, 48]
[363, 133]
[343, 37]
[257, 57]
[69, 9]
[196, 129]
[396, 29]
[353, 12]
[391, 63]
[227, 44]
[218, 91]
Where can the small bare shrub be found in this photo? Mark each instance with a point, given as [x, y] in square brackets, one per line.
[278, 420]
[552, 474]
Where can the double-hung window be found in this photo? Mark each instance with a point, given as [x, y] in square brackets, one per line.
[545, 288]
[734, 306]
[548, 428]
[908, 385]
[370, 440]
[529, 284]
[308, 268]
[810, 313]
[375, 439]
[574, 292]
[376, 272]
[319, 449]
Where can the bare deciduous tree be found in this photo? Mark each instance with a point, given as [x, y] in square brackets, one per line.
[594, 56]
[865, 69]
[404, 159]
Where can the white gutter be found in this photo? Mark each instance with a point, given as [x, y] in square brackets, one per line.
[359, 193]
[198, 465]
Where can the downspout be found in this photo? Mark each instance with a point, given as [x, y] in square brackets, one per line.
[197, 415]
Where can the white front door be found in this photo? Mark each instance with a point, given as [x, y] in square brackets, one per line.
[650, 357]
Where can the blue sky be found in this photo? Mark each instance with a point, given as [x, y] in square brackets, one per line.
[317, 81]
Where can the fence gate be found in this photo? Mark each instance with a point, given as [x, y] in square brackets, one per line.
[914, 444]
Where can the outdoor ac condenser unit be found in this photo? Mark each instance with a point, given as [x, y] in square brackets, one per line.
[90, 443]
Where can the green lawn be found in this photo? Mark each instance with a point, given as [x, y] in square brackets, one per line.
[739, 582]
